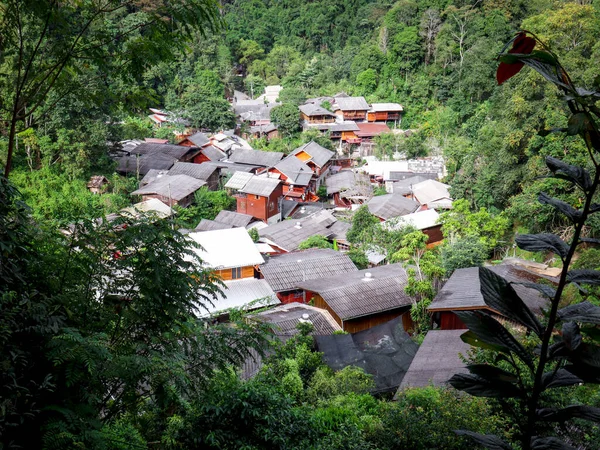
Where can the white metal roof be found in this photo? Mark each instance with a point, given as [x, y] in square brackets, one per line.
[420, 220]
[224, 249]
[430, 191]
[248, 293]
[376, 107]
[238, 180]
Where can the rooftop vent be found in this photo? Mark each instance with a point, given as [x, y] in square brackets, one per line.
[368, 276]
[298, 225]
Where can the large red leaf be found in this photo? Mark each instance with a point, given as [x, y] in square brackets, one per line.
[522, 44]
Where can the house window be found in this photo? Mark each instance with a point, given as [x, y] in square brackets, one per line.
[236, 273]
[256, 197]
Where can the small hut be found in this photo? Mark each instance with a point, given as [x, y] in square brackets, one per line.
[97, 184]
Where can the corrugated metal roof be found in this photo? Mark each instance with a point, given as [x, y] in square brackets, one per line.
[421, 219]
[235, 219]
[351, 104]
[383, 107]
[315, 110]
[255, 157]
[345, 126]
[176, 187]
[463, 289]
[238, 180]
[288, 234]
[405, 186]
[391, 205]
[151, 176]
[354, 294]
[210, 225]
[283, 272]
[199, 139]
[437, 359]
[213, 153]
[285, 318]
[261, 186]
[430, 191]
[349, 182]
[199, 171]
[319, 154]
[247, 293]
[297, 171]
[224, 249]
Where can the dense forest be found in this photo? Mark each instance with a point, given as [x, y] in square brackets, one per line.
[138, 370]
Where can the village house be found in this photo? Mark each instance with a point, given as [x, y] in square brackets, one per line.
[197, 139]
[362, 299]
[235, 259]
[385, 112]
[317, 157]
[437, 360]
[171, 190]
[271, 94]
[351, 108]
[349, 188]
[207, 172]
[151, 207]
[312, 114]
[406, 182]
[462, 292]
[389, 206]
[287, 235]
[211, 225]
[235, 219]
[368, 131]
[431, 194]
[97, 184]
[255, 157]
[257, 196]
[284, 272]
[296, 177]
[137, 157]
[268, 131]
[345, 131]
[426, 221]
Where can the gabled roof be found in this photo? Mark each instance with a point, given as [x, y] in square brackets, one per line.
[318, 155]
[421, 220]
[213, 153]
[199, 139]
[255, 157]
[235, 219]
[348, 125]
[383, 107]
[210, 225]
[294, 169]
[175, 151]
[463, 290]
[247, 293]
[224, 249]
[437, 359]
[315, 110]
[176, 187]
[143, 156]
[391, 205]
[430, 191]
[289, 234]
[261, 186]
[405, 186]
[238, 180]
[151, 206]
[199, 171]
[267, 128]
[284, 319]
[351, 104]
[283, 272]
[349, 183]
[151, 176]
[97, 181]
[371, 129]
[356, 294]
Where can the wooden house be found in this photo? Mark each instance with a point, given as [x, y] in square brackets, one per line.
[235, 259]
[287, 235]
[171, 190]
[312, 114]
[349, 188]
[257, 196]
[297, 178]
[351, 108]
[345, 131]
[385, 112]
[316, 157]
[284, 272]
[368, 131]
[426, 221]
[268, 131]
[253, 157]
[431, 194]
[198, 139]
[140, 157]
[362, 299]
[462, 292]
[207, 172]
[389, 206]
[97, 184]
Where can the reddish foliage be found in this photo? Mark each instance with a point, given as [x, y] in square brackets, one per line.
[522, 44]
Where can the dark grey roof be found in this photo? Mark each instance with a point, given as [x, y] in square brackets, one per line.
[404, 186]
[462, 290]
[284, 319]
[319, 154]
[391, 205]
[283, 272]
[209, 225]
[350, 183]
[255, 157]
[199, 139]
[355, 294]
[289, 234]
[345, 126]
[384, 351]
[251, 110]
[231, 168]
[175, 151]
[306, 209]
[147, 156]
[339, 230]
[235, 219]
[262, 186]
[297, 172]
[437, 359]
[213, 153]
[351, 103]
[176, 187]
[151, 176]
[315, 110]
[267, 128]
[199, 171]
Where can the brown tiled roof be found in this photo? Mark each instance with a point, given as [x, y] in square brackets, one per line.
[355, 294]
[285, 271]
[462, 290]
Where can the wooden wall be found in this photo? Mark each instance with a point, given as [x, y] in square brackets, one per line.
[450, 321]
[225, 274]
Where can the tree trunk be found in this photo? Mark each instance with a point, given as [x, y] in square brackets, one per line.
[12, 135]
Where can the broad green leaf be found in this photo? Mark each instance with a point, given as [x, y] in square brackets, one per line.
[499, 295]
[570, 412]
[542, 242]
[483, 387]
[492, 332]
[489, 441]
